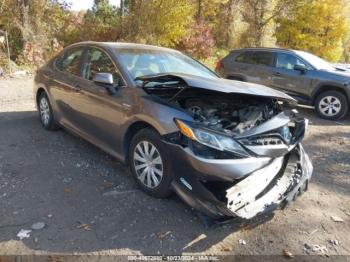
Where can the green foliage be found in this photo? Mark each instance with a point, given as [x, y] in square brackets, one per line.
[100, 22]
[316, 26]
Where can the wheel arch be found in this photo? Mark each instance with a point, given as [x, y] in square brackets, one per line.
[325, 88]
[39, 91]
[132, 130]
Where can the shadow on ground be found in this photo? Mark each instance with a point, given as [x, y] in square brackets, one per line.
[64, 181]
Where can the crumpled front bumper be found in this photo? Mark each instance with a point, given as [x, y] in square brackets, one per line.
[270, 187]
[274, 185]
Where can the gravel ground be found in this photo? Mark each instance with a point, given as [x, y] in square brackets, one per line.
[90, 204]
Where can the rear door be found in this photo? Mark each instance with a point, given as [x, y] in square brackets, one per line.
[65, 88]
[289, 80]
[251, 66]
[262, 67]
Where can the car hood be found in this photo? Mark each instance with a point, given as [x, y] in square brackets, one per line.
[339, 73]
[218, 84]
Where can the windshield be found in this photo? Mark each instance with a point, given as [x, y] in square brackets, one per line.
[142, 62]
[315, 61]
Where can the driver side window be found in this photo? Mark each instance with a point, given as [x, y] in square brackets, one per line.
[287, 61]
[99, 62]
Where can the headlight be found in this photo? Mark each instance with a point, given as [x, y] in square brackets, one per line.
[219, 142]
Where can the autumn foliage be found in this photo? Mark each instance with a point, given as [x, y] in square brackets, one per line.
[40, 28]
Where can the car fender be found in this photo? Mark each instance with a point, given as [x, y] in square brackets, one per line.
[332, 85]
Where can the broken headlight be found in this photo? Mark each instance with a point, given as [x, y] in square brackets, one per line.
[210, 139]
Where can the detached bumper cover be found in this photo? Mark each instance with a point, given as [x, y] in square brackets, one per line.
[272, 185]
[276, 184]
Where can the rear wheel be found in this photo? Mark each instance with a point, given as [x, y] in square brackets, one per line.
[45, 112]
[331, 105]
[149, 164]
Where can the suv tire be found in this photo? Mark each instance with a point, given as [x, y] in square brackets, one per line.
[149, 163]
[331, 105]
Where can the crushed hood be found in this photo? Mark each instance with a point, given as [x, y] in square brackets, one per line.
[219, 85]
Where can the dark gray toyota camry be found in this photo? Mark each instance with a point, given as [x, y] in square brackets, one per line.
[227, 148]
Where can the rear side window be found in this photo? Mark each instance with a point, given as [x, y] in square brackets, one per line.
[71, 60]
[243, 58]
[263, 58]
[256, 58]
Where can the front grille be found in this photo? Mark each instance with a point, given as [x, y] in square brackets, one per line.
[264, 140]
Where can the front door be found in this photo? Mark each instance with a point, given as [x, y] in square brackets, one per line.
[285, 78]
[102, 114]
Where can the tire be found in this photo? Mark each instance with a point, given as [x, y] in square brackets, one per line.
[45, 113]
[335, 101]
[149, 168]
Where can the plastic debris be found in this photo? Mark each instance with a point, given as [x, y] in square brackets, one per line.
[337, 219]
[242, 242]
[287, 254]
[334, 242]
[24, 233]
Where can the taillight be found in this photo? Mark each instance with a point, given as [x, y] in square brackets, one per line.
[218, 65]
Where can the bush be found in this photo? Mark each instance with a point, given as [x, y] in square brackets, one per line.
[200, 43]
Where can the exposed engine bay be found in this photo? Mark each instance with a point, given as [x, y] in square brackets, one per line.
[230, 115]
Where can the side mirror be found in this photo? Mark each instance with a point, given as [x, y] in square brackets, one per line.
[103, 78]
[106, 80]
[301, 68]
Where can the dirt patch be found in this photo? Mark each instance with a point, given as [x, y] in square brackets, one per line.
[89, 203]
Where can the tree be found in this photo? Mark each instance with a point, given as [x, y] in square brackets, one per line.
[315, 26]
[100, 22]
[259, 15]
[159, 22]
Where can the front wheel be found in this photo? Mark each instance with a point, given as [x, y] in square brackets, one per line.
[149, 164]
[331, 105]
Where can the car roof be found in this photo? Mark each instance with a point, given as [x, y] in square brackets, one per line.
[124, 45]
[271, 49]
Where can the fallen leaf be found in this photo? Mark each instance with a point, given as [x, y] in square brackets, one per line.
[226, 249]
[288, 254]
[337, 219]
[161, 235]
[85, 226]
[107, 185]
[245, 227]
[68, 190]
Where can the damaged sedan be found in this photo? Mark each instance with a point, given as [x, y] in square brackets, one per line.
[227, 148]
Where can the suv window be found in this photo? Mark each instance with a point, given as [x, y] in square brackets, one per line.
[99, 62]
[243, 58]
[256, 58]
[262, 58]
[70, 62]
[288, 61]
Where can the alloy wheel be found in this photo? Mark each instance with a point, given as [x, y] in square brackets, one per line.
[329, 106]
[148, 164]
[44, 111]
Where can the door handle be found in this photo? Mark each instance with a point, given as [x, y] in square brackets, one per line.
[76, 87]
